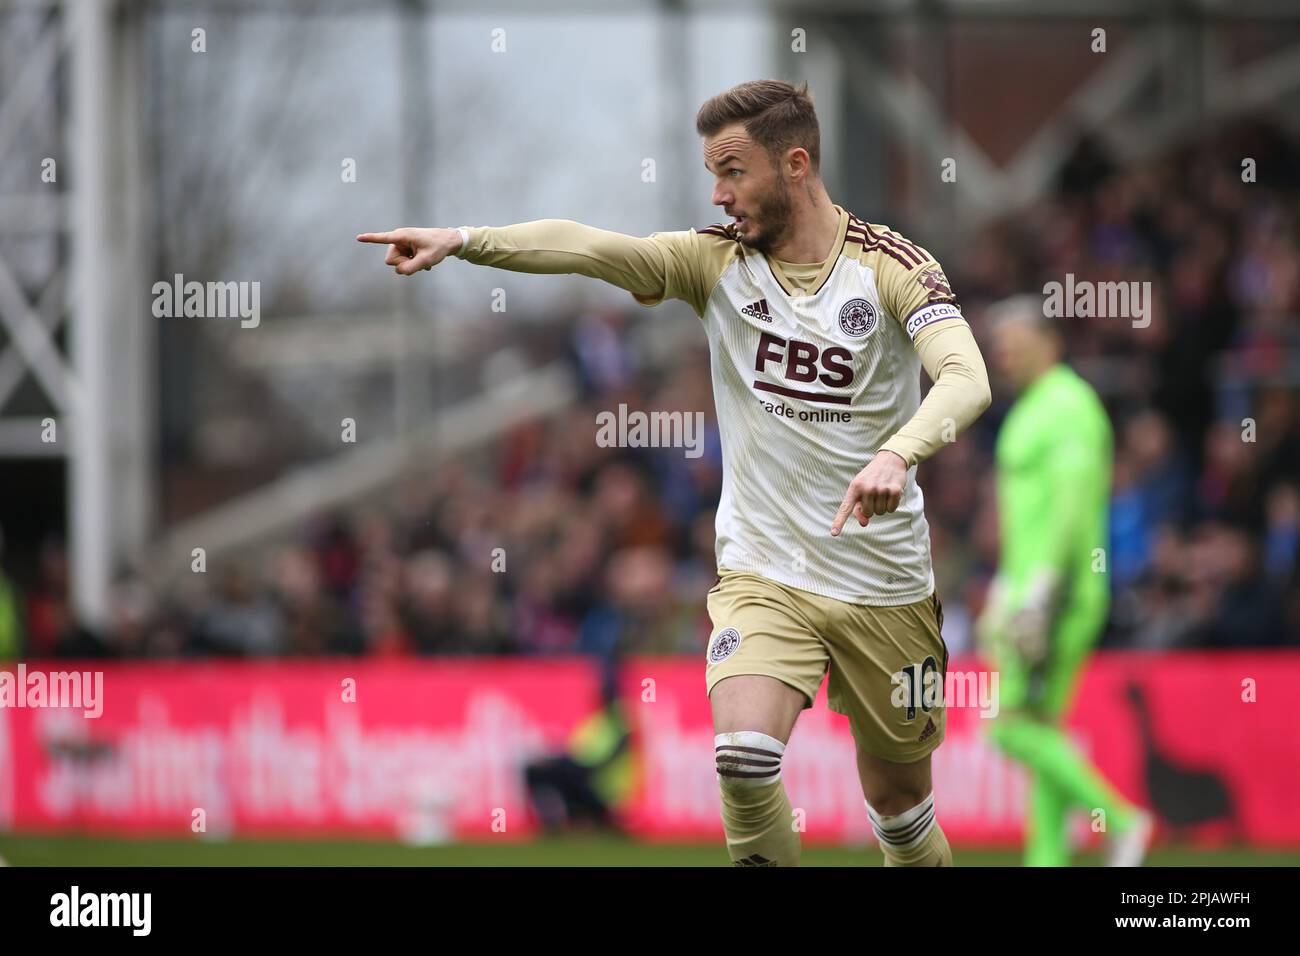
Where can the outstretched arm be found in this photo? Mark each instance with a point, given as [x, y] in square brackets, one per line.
[647, 268]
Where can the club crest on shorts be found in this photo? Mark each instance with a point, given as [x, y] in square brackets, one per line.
[857, 318]
[724, 644]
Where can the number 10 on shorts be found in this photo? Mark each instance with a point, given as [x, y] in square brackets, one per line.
[917, 685]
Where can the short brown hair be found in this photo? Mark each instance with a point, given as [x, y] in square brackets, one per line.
[776, 115]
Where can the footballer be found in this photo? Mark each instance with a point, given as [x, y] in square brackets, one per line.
[1048, 603]
[818, 324]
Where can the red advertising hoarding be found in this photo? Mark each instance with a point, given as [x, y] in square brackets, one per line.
[435, 749]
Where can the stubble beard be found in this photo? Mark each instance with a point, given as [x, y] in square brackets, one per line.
[774, 213]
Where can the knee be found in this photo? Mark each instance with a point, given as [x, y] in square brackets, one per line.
[892, 800]
[891, 788]
[1016, 732]
[1001, 730]
[747, 759]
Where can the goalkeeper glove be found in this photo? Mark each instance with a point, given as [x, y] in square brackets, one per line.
[1024, 628]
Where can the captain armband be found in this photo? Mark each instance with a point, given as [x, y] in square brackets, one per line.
[928, 314]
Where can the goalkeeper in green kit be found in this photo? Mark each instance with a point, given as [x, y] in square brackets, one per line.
[1048, 603]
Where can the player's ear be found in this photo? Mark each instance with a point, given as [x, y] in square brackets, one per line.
[800, 162]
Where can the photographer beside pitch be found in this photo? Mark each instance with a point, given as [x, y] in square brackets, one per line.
[808, 309]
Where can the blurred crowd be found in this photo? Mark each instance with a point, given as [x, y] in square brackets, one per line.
[544, 542]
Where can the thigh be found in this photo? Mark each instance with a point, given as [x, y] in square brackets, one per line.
[1073, 638]
[764, 659]
[752, 702]
[888, 666]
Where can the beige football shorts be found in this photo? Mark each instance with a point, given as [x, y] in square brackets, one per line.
[887, 664]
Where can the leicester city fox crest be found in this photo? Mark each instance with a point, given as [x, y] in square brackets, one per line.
[724, 644]
[938, 284]
[857, 318]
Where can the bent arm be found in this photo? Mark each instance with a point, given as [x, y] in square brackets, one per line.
[960, 393]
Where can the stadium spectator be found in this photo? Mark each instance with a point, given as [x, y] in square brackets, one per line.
[544, 542]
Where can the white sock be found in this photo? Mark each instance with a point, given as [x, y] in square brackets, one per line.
[908, 828]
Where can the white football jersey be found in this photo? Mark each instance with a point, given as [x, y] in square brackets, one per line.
[808, 381]
[807, 388]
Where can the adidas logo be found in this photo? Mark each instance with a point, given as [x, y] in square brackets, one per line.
[930, 730]
[758, 310]
[755, 860]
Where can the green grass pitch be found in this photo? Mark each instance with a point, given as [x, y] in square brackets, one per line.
[585, 850]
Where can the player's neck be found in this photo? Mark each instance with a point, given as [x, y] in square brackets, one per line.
[1045, 366]
[813, 228]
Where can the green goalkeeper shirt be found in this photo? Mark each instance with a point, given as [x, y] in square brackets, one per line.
[1054, 457]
